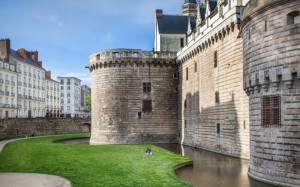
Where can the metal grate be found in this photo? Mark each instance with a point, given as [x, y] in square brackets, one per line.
[147, 105]
[270, 111]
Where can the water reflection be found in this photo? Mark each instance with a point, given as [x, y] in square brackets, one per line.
[210, 169]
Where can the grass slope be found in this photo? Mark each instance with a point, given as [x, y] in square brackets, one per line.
[84, 165]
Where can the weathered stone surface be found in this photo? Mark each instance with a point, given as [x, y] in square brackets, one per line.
[271, 67]
[14, 128]
[117, 97]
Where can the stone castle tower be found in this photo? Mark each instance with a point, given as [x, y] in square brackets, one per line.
[271, 38]
[134, 97]
[189, 8]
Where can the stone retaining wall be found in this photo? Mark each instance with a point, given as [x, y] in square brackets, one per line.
[14, 128]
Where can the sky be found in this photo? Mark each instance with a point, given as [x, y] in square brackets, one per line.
[66, 32]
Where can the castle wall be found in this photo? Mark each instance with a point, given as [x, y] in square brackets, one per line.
[272, 70]
[118, 95]
[199, 112]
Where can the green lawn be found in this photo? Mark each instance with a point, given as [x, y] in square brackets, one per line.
[84, 165]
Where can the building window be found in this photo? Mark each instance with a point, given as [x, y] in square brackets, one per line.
[218, 128]
[187, 73]
[266, 26]
[217, 98]
[68, 87]
[181, 42]
[61, 81]
[216, 59]
[195, 67]
[147, 105]
[293, 18]
[185, 103]
[249, 34]
[147, 87]
[98, 57]
[175, 75]
[270, 111]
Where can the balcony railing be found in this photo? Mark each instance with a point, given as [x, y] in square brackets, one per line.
[25, 73]
[19, 83]
[13, 94]
[6, 81]
[30, 85]
[34, 86]
[25, 84]
[34, 76]
[1, 80]
[1, 93]
[7, 93]
[12, 83]
[29, 74]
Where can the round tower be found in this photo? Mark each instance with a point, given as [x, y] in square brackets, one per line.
[271, 37]
[134, 97]
[189, 8]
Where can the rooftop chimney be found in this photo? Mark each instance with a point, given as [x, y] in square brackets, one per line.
[40, 63]
[5, 49]
[159, 12]
[48, 74]
[22, 52]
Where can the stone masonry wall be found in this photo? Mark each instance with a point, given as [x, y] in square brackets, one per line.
[14, 128]
[198, 109]
[272, 67]
[117, 96]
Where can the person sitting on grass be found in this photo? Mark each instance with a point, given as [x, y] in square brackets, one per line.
[148, 151]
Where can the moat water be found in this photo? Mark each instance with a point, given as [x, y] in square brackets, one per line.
[208, 170]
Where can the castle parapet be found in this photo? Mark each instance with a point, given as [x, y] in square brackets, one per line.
[130, 54]
[123, 57]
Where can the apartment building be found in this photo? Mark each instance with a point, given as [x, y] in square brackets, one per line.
[8, 78]
[31, 83]
[70, 94]
[53, 96]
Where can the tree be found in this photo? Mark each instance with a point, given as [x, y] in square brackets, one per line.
[89, 99]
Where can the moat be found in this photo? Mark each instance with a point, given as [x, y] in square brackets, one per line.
[209, 169]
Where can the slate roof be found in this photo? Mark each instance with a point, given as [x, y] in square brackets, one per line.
[174, 24]
[212, 4]
[27, 60]
[190, 1]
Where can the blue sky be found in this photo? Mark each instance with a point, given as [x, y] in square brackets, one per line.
[66, 32]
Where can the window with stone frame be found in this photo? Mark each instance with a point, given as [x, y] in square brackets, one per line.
[215, 59]
[181, 42]
[187, 73]
[293, 17]
[217, 97]
[146, 87]
[218, 128]
[147, 106]
[195, 67]
[270, 111]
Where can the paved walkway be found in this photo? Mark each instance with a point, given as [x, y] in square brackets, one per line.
[29, 179]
